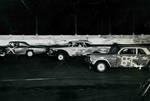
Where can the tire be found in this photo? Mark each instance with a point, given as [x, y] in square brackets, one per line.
[29, 53]
[61, 56]
[101, 67]
[3, 54]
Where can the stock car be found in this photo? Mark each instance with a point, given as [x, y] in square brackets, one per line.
[75, 48]
[21, 48]
[125, 57]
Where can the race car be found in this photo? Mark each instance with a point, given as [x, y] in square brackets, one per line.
[126, 57]
[21, 48]
[75, 48]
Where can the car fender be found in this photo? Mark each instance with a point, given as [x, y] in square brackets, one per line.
[30, 50]
[62, 51]
[102, 60]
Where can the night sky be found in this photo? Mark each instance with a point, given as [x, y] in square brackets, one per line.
[55, 17]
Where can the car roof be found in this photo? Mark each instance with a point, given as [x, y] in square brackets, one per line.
[17, 42]
[134, 47]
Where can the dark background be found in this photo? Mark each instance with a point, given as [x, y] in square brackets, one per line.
[61, 16]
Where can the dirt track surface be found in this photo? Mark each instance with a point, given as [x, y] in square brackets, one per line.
[47, 71]
[43, 78]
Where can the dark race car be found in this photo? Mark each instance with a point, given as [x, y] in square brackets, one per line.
[21, 48]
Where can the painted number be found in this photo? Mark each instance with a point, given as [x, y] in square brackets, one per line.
[128, 61]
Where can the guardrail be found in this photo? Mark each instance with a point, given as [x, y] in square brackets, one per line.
[61, 39]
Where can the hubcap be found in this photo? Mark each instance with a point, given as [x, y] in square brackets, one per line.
[101, 67]
[60, 57]
[30, 54]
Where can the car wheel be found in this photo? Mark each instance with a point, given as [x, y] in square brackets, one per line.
[61, 57]
[101, 66]
[3, 54]
[29, 53]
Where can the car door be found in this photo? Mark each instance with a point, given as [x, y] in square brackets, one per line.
[86, 49]
[81, 48]
[76, 49]
[127, 57]
[143, 58]
[21, 48]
